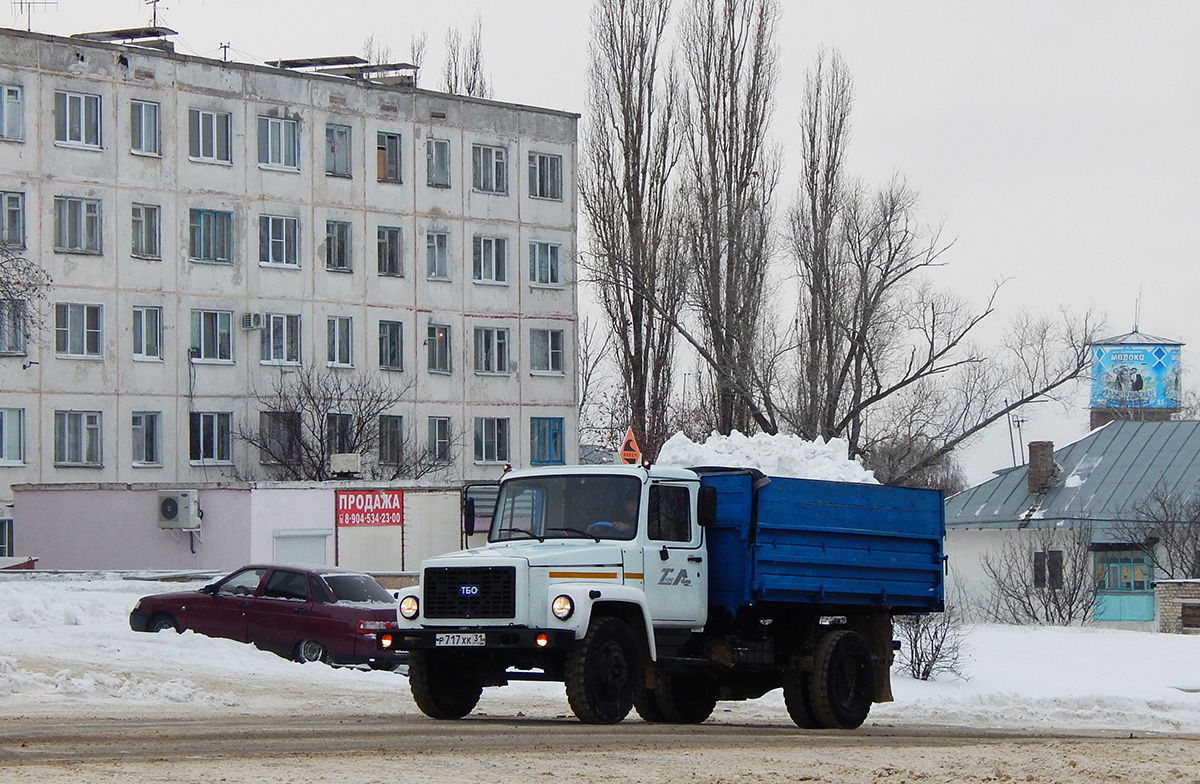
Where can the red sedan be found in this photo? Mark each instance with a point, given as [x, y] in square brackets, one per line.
[307, 614]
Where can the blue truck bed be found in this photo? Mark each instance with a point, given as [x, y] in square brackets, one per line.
[838, 544]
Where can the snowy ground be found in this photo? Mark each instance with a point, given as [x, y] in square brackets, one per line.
[66, 650]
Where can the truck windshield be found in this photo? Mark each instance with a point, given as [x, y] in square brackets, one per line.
[560, 507]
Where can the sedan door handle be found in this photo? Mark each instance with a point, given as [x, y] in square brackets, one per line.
[695, 559]
[300, 610]
[243, 605]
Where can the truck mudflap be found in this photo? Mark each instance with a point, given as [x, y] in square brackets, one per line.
[486, 638]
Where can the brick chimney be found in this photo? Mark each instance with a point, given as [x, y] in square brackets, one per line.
[1041, 465]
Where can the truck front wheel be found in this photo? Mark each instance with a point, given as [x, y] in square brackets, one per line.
[602, 673]
[445, 684]
[842, 684]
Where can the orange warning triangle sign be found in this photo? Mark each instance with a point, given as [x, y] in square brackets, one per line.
[631, 453]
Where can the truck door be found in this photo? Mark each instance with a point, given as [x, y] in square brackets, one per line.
[675, 568]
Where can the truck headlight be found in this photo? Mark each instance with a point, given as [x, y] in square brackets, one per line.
[562, 607]
[409, 607]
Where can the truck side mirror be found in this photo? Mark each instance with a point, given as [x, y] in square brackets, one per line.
[469, 516]
[706, 506]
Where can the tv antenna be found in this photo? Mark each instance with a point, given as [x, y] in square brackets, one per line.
[154, 13]
[26, 7]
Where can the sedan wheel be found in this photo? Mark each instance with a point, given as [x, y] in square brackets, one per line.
[310, 651]
[162, 621]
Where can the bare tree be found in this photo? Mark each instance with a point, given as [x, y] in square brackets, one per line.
[728, 189]
[932, 644]
[416, 54]
[24, 286]
[626, 195]
[462, 70]
[375, 51]
[1166, 525]
[1042, 576]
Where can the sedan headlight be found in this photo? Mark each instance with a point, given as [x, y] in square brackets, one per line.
[409, 607]
[562, 607]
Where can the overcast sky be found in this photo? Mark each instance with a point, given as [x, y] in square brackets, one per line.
[1056, 143]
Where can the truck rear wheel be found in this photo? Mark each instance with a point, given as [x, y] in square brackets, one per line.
[686, 699]
[645, 702]
[445, 684]
[602, 673]
[798, 700]
[842, 683]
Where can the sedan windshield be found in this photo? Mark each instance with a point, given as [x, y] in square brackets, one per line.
[357, 588]
[561, 507]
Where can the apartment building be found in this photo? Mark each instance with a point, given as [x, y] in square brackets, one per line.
[211, 227]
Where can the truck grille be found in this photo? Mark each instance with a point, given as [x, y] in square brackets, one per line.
[470, 592]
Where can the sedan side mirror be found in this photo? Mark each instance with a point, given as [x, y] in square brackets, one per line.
[210, 589]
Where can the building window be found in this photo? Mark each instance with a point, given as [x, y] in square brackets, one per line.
[339, 433]
[437, 156]
[337, 245]
[339, 332]
[544, 263]
[77, 119]
[387, 156]
[1120, 570]
[337, 150]
[211, 335]
[278, 240]
[211, 437]
[143, 128]
[545, 176]
[437, 255]
[147, 333]
[12, 219]
[490, 259]
[390, 251]
[391, 342]
[146, 429]
[12, 436]
[208, 136]
[278, 142]
[489, 169]
[491, 440]
[7, 548]
[209, 237]
[146, 232]
[546, 351]
[546, 441]
[391, 440]
[1048, 569]
[76, 225]
[279, 434]
[12, 326]
[281, 339]
[77, 438]
[438, 342]
[491, 350]
[11, 113]
[77, 330]
[439, 439]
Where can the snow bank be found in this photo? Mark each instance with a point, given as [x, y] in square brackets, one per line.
[778, 455]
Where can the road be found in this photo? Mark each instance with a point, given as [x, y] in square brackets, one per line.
[409, 747]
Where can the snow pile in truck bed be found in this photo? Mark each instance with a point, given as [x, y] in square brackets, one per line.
[778, 455]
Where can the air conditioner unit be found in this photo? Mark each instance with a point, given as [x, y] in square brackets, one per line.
[252, 321]
[179, 509]
[345, 463]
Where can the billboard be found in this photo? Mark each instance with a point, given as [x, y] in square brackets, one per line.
[370, 507]
[1135, 376]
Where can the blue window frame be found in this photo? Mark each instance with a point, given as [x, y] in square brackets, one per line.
[546, 441]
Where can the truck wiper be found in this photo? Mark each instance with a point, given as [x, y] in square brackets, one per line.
[528, 534]
[576, 532]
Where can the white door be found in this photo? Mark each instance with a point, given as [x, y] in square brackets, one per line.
[675, 567]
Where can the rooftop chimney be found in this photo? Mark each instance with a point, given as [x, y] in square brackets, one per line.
[1041, 465]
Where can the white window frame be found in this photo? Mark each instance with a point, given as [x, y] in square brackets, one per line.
[339, 432]
[339, 338]
[212, 336]
[544, 357]
[210, 136]
[77, 439]
[338, 234]
[278, 143]
[12, 218]
[440, 439]
[78, 330]
[545, 264]
[215, 428]
[280, 344]
[144, 128]
[491, 440]
[77, 120]
[489, 169]
[278, 241]
[337, 150]
[279, 432]
[12, 436]
[490, 260]
[77, 227]
[437, 159]
[12, 113]
[389, 251]
[146, 226]
[210, 232]
[391, 439]
[12, 327]
[146, 430]
[387, 156]
[438, 344]
[545, 176]
[391, 345]
[147, 333]
[437, 255]
[491, 351]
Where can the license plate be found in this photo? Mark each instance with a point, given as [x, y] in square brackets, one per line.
[476, 639]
